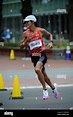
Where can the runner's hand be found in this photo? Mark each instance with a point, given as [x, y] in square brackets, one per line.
[22, 44]
[50, 45]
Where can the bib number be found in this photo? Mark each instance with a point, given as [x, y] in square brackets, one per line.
[35, 44]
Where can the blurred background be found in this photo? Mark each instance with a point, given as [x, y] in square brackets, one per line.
[56, 16]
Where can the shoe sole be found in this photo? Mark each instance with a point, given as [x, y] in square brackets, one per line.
[46, 98]
[58, 95]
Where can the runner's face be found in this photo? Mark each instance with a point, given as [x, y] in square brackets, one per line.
[28, 24]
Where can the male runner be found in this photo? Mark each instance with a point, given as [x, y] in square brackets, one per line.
[33, 37]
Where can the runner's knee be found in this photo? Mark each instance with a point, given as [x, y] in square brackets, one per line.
[37, 70]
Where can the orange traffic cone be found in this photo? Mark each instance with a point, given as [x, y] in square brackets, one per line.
[16, 92]
[12, 55]
[2, 87]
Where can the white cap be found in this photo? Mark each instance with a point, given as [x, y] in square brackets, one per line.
[30, 18]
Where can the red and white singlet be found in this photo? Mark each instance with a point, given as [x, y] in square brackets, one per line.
[35, 42]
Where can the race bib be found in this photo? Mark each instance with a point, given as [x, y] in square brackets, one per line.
[35, 44]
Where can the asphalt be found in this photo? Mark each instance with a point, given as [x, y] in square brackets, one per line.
[30, 97]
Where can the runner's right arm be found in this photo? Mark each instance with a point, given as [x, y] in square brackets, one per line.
[23, 41]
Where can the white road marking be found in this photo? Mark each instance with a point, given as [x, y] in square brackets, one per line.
[29, 87]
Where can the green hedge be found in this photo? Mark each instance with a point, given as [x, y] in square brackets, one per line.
[11, 44]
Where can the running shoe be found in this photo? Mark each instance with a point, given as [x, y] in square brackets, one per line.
[55, 92]
[45, 95]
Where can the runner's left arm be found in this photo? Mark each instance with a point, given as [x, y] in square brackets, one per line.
[49, 35]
